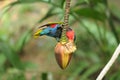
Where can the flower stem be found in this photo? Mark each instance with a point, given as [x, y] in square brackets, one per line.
[66, 21]
[66, 15]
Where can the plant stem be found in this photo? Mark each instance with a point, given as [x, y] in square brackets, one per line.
[66, 21]
[109, 64]
[66, 15]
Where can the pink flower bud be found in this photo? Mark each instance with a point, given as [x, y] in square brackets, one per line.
[63, 53]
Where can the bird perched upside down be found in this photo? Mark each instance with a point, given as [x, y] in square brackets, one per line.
[65, 46]
[54, 30]
[50, 29]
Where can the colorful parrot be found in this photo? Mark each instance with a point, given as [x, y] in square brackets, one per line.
[54, 30]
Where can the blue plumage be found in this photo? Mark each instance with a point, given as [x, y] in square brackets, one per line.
[52, 30]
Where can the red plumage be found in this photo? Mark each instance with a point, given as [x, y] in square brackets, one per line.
[53, 25]
[70, 34]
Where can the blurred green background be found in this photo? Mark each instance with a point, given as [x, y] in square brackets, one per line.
[97, 27]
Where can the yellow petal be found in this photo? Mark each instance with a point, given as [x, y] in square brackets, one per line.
[70, 47]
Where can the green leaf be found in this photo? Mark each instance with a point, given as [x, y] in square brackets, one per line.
[115, 76]
[34, 77]
[30, 65]
[116, 12]
[9, 6]
[15, 74]
[46, 76]
[25, 37]
[2, 64]
[12, 57]
[2, 59]
[78, 70]
[90, 13]
[60, 3]
[28, 1]
[91, 69]
[49, 14]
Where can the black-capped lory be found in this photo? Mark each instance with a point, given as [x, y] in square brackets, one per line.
[54, 30]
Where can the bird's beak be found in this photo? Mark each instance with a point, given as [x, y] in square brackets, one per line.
[37, 33]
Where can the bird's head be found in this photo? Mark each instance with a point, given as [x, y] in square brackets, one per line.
[47, 29]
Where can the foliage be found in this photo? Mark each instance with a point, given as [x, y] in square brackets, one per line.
[96, 26]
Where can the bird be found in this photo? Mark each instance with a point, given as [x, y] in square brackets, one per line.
[54, 30]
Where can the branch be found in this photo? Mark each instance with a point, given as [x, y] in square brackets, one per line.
[109, 64]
